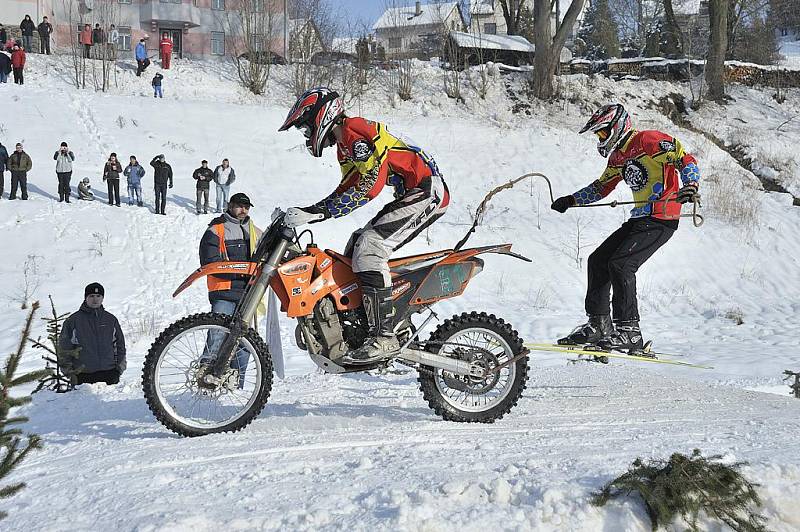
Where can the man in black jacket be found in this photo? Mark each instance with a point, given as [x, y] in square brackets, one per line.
[45, 29]
[162, 178]
[27, 26]
[111, 172]
[203, 176]
[3, 162]
[92, 342]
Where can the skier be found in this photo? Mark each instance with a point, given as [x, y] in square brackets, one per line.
[370, 158]
[657, 168]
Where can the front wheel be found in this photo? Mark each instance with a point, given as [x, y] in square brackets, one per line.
[174, 371]
[481, 339]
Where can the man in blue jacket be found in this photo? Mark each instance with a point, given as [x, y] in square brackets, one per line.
[91, 342]
[141, 58]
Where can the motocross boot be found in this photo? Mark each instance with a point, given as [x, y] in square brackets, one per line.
[596, 329]
[627, 336]
[382, 343]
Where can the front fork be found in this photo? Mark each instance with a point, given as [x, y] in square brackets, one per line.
[245, 312]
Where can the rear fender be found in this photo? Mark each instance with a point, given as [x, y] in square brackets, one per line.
[250, 269]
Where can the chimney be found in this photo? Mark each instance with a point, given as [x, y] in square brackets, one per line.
[417, 9]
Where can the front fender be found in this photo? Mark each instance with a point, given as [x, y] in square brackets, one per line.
[216, 268]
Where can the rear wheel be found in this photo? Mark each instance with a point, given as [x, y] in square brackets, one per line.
[172, 377]
[481, 339]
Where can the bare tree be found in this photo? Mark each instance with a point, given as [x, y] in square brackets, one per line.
[512, 12]
[311, 31]
[105, 13]
[73, 13]
[715, 62]
[548, 47]
[250, 28]
[401, 75]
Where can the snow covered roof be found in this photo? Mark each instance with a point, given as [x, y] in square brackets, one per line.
[481, 7]
[686, 7]
[406, 16]
[515, 43]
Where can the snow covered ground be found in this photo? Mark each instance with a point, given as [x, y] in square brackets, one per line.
[364, 452]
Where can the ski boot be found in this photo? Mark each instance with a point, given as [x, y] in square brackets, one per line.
[626, 337]
[382, 343]
[596, 329]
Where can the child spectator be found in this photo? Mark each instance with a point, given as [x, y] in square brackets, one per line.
[18, 64]
[85, 190]
[157, 85]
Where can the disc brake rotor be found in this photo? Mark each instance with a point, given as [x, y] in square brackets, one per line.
[466, 383]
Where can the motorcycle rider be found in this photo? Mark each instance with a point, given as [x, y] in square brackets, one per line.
[370, 157]
[651, 163]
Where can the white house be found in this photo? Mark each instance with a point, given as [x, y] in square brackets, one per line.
[486, 17]
[418, 29]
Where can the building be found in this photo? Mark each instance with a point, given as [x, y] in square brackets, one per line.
[417, 30]
[486, 17]
[198, 28]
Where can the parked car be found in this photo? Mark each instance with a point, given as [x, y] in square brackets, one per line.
[263, 58]
[327, 58]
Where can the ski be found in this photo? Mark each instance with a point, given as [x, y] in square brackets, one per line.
[599, 355]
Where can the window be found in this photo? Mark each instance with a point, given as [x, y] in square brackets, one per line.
[490, 28]
[124, 1]
[257, 42]
[170, 1]
[217, 43]
[124, 39]
[395, 42]
[218, 5]
[258, 6]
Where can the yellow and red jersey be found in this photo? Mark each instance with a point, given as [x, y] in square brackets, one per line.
[654, 165]
[370, 158]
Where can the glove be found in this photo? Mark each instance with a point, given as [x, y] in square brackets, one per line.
[563, 203]
[687, 194]
[170, 186]
[297, 216]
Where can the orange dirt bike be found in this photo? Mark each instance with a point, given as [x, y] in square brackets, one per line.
[210, 372]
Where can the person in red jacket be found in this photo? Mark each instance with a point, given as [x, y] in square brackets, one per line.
[370, 158]
[165, 47]
[662, 177]
[86, 40]
[18, 64]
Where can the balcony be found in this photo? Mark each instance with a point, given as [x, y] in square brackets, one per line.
[163, 13]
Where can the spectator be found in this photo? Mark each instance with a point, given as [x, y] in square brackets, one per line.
[204, 175]
[45, 30]
[98, 40]
[18, 64]
[20, 164]
[113, 36]
[86, 41]
[63, 158]
[156, 83]
[134, 172]
[165, 49]
[224, 176]
[3, 164]
[142, 62]
[97, 337]
[27, 26]
[3, 35]
[5, 66]
[232, 236]
[161, 178]
[111, 172]
[85, 190]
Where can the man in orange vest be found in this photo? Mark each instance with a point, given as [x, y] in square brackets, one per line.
[165, 47]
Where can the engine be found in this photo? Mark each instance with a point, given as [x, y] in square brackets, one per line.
[330, 333]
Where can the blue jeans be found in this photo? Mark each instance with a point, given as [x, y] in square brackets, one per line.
[157, 92]
[3, 77]
[222, 197]
[214, 340]
[134, 190]
[27, 43]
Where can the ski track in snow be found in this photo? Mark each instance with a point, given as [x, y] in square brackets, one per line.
[365, 452]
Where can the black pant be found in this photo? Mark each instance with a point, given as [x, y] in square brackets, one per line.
[87, 51]
[44, 44]
[2, 181]
[19, 179]
[613, 266]
[63, 184]
[18, 77]
[161, 198]
[113, 191]
[109, 376]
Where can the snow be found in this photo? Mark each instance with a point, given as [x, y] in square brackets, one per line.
[790, 50]
[364, 452]
[492, 42]
[405, 16]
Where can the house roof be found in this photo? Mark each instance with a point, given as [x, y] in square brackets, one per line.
[513, 43]
[403, 17]
[481, 7]
[686, 7]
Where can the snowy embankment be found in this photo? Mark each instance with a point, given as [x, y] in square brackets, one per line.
[365, 452]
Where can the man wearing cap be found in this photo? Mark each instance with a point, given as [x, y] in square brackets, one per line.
[203, 175]
[64, 158]
[20, 164]
[94, 335]
[230, 237]
[161, 178]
